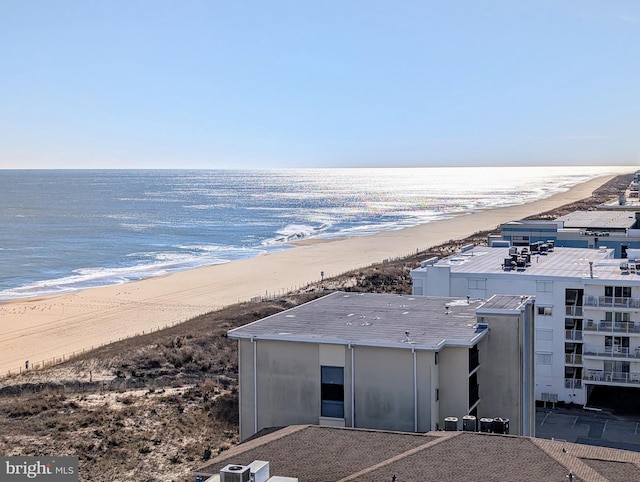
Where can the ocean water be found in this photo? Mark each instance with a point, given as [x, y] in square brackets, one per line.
[65, 230]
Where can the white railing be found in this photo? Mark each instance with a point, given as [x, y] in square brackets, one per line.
[573, 310]
[575, 335]
[611, 302]
[572, 383]
[612, 377]
[573, 358]
[611, 351]
[612, 326]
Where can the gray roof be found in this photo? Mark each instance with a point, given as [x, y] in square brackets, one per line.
[321, 454]
[373, 319]
[599, 220]
[561, 262]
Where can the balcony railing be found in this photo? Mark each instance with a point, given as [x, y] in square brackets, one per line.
[611, 302]
[573, 358]
[573, 310]
[572, 383]
[605, 326]
[611, 352]
[573, 335]
[613, 377]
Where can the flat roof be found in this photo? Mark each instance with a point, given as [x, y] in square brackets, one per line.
[373, 319]
[601, 220]
[559, 263]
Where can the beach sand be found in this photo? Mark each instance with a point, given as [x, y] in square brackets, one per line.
[41, 329]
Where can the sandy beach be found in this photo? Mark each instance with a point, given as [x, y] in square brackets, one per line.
[46, 328]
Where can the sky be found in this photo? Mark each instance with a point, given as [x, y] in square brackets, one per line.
[346, 83]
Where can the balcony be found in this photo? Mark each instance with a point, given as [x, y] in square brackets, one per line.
[610, 352]
[572, 383]
[573, 358]
[605, 326]
[612, 377]
[573, 335]
[611, 302]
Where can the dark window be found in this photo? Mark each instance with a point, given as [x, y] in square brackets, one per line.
[332, 392]
[474, 358]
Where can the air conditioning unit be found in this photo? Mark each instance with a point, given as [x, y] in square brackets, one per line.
[235, 473]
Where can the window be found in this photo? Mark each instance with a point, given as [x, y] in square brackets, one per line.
[618, 291]
[617, 344]
[332, 392]
[544, 286]
[623, 317]
[437, 394]
[544, 358]
[544, 310]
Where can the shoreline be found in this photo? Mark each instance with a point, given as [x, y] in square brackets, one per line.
[46, 327]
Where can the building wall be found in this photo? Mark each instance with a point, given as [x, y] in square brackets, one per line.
[245, 389]
[385, 392]
[506, 373]
[288, 381]
[384, 389]
[454, 383]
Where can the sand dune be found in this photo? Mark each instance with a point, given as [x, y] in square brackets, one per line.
[40, 329]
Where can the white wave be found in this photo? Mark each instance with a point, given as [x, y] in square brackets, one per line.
[161, 263]
[295, 232]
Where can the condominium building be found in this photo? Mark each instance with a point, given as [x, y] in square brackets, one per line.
[389, 362]
[587, 310]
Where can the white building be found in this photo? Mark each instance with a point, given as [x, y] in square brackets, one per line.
[587, 310]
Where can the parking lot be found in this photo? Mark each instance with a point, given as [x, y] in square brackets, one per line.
[588, 427]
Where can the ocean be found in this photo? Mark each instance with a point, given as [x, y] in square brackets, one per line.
[67, 230]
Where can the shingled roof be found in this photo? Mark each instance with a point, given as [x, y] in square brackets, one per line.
[327, 454]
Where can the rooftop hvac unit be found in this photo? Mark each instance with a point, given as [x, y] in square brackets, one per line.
[500, 425]
[486, 425]
[451, 424]
[469, 423]
[259, 470]
[235, 473]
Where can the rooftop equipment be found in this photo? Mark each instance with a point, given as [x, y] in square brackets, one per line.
[235, 473]
[486, 424]
[500, 425]
[451, 424]
[469, 423]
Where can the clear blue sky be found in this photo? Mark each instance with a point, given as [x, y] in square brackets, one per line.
[273, 83]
